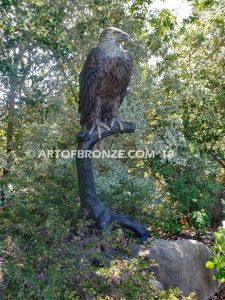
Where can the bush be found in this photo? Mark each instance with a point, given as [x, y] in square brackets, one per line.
[217, 261]
[41, 261]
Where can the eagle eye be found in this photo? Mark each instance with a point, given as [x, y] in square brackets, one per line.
[115, 32]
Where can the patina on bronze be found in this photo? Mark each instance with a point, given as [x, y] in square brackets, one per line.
[96, 210]
[103, 82]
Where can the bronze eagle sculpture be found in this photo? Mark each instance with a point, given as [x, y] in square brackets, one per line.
[104, 80]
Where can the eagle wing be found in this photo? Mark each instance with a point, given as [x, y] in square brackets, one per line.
[127, 65]
[89, 81]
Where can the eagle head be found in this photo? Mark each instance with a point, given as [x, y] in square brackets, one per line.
[112, 34]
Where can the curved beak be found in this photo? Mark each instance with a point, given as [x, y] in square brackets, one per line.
[124, 37]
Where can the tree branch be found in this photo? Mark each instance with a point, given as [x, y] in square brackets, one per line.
[90, 202]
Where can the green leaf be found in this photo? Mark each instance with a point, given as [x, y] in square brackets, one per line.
[217, 236]
[209, 265]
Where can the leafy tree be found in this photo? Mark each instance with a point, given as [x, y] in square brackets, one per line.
[176, 96]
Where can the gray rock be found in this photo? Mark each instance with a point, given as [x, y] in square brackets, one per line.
[157, 285]
[182, 264]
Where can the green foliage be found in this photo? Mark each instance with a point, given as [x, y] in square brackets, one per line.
[40, 262]
[191, 186]
[176, 97]
[160, 216]
[165, 218]
[199, 219]
[217, 261]
[204, 4]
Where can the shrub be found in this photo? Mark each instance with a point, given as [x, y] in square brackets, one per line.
[42, 262]
[217, 261]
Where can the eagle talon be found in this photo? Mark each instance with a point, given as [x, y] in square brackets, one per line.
[117, 120]
[97, 126]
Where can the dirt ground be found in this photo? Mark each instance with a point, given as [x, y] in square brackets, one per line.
[220, 295]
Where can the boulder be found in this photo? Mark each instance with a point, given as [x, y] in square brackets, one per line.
[181, 263]
[157, 285]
